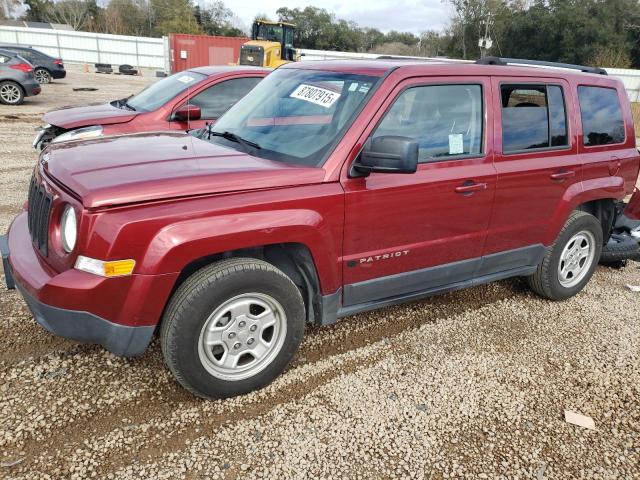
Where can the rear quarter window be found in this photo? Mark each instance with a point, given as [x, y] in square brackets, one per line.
[602, 121]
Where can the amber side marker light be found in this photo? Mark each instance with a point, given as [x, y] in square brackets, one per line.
[112, 268]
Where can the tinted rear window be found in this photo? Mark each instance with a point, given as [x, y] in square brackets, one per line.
[602, 121]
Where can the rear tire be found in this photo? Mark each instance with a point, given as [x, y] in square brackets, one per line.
[232, 327]
[42, 75]
[11, 93]
[570, 262]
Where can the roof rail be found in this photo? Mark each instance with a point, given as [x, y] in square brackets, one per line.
[408, 58]
[539, 63]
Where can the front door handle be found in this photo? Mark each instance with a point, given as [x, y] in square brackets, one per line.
[563, 175]
[470, 187]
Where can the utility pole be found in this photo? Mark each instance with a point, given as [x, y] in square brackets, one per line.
[485, 43]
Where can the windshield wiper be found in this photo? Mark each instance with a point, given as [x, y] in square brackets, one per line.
[234, 138]
[130, 107]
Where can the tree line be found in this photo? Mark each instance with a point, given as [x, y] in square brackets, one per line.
[598, 32]
[148, 18]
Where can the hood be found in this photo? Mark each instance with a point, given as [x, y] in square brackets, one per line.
[101, 114]
[152, 166]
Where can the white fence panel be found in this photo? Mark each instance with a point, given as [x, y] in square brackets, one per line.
[87, 47]
[631, 80]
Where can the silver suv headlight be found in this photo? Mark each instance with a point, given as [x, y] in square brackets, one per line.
[79, 134]
[68, 229]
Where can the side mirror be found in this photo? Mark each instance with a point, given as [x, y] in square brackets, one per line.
[187, 112]
[388, 154]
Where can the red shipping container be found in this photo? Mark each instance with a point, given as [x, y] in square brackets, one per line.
[188, 51]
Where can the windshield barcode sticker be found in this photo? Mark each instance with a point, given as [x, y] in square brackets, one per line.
[319, 96]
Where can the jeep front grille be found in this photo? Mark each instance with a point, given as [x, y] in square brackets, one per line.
[38, 213]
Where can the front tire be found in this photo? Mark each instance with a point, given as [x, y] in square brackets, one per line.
[11, 93]
[42, 75]
[232, 327]
[570, 262]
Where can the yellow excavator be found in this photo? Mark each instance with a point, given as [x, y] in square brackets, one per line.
[271, 45]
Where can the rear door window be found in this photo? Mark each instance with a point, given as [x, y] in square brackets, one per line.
[533, 117]
[26, 54]
[219, 98]
[602, 121]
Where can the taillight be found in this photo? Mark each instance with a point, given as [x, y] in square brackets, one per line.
[23, 67]
[58, 61]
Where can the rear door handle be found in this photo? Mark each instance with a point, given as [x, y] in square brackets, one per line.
[470, 187]
[562, 175]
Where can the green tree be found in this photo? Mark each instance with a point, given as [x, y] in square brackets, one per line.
[217, 19]
[127, 17]
[401, 37]
[76, 13]
[370, 39]
[470, 20]
[261, 17]
[319, 29]
[174, 16]
[37, 10]
[314, 26]
[433, 43]
[575, 31]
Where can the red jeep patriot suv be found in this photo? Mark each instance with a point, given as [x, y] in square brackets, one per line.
[331, 188]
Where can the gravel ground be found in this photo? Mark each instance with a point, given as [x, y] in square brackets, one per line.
[472, 384]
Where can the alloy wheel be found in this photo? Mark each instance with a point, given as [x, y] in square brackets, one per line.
[576, 259]
[10, 93]
[42, 76]
[242, 336]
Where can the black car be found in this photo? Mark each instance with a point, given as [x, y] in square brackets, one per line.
[16, 78]
[46, 67]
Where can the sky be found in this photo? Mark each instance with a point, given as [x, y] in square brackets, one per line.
[403, 15]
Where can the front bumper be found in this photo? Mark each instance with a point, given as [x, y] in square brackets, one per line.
[85, 327]
[81, 306]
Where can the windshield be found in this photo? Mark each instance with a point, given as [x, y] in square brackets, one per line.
[295, 116]
[159, 93]
[272, 33]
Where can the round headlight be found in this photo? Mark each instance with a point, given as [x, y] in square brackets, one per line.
[68, 229]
